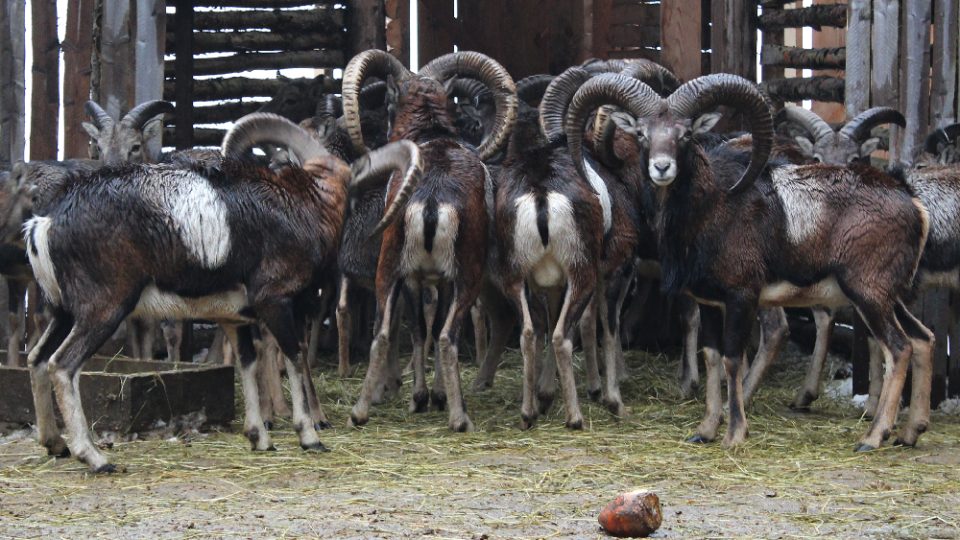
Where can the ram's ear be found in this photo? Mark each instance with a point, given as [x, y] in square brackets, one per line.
[626, 122]
[153, 128]
[706, 122]
[869, 146]
[805, 144]
[91, 130]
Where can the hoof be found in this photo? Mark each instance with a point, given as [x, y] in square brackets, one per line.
[575, 424]
[268, 424]
[420, 402]
[320, 426]
[527, 421]
[864, 447]
[438, 401]
[901, 442]
[356, 421]
[799, 408]
[594, 395]
[461, 426]
[616, 408]
[107, 468]
[689, 390]
[544, 402]
[482, 386]
[699, 439]
[58, 452]
[315, 447]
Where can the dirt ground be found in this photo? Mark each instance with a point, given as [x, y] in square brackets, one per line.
[406, 476]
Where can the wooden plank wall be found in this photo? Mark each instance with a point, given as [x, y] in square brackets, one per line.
[77, 48]
[12, 81]
[45, 97]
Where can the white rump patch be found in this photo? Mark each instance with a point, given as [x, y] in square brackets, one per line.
[224, 306]
[37, 236]
[546, 265]
[600, 188]
[442, 258]
[198, 214]
[802, 202]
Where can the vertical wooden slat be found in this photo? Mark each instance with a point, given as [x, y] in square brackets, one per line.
[398, 29]
[943, 94]
[45, 101]
[12, 82]
[77, 48]
[915, 75]
[936, 316]
[733, 38]
[953, 390]
[117, 57]
[680, 41]
[857, 69]
[148, 55]
[367, 26]
[602, 20]
[437, 28]
[183, 72]
[885, 62]
[829, 37]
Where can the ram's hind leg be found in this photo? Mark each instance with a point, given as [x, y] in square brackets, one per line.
[89, 332]
[420, 397]
[810, 391]
[501, 319]
[578, 296]
[773, 333]
[588, 341]
[689, 368]
[922, 376]
[240, 339]
[457, 310]
[379, 349]
[50, 341]
[343, 328]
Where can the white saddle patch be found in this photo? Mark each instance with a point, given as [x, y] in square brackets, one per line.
[802, 203]
[600, 188]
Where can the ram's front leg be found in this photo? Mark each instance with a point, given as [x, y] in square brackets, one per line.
[737, 322]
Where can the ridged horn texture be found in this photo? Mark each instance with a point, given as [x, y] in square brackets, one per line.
[943, 136]
[139, 115]
[266, 128]
[808, 120]
[530, 89]
[710, 91]
[556, 99]
[613, 65]
[629, 94]
[858, 128]
[467, 88]
[373, 95]
[373, 62]
[96, 113]
[663, 82]
[479, 66]
[376, 167]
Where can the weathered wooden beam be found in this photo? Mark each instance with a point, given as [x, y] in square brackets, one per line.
[208, 42]
[915, 76]
[201, 136]
[367, 26]
[183, 91]
[733, 38]
[117, 65]
[251, 61]
[12, 82]
[819, 88]
[816, 17]
[857, 66]
[312, 20]
[77, 48]
[885, 66]
[946, 42]
[224, 112]
[265, 4]
[680, 26]
[238, 87]
[148, 53]
[799, 57]
[602, 21]
[45, 101]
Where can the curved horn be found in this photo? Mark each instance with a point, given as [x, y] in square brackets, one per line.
[139, 115]
[376, 167]
[943, 136]
[370, 62]
[267, 128]
[467, 88]
[613, 65]
[858, 128]
[707, 92]
[808, 120]
[96, 113]
[556, 99]
[373, 95]
[480, 66]
[629, 94]
[332, 106]
[530, 89]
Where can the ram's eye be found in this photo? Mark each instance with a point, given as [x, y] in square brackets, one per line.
[135, 148]
[818, 158]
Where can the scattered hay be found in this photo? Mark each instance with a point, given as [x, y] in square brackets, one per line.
[407, 475]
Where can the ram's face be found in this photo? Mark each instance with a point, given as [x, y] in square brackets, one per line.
[662, 139]
[838, 149]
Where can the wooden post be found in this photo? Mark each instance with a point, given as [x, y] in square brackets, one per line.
[829, 37]
[857, 72]
[680, 28]
[117, 72]
[77, 48]
[946, 34]
[733, 38]
[367, 26]
[45, 101]
[885, 68]
[183, 68]
[12, 82]
[149, 49]
[602, 15]
[398, 29]
[438, 27]
[915, 76]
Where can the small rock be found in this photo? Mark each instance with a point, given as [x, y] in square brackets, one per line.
[634, 514]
